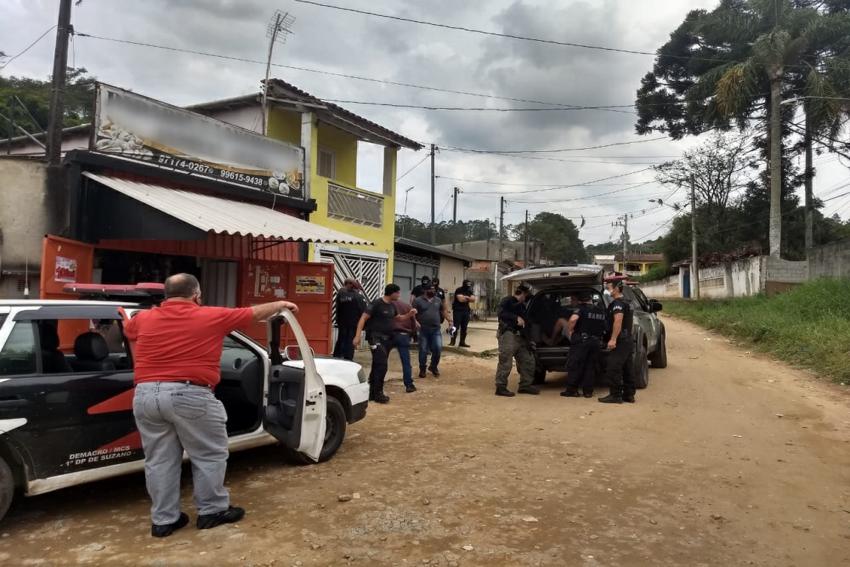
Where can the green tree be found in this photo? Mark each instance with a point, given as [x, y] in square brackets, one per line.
[34, 94]
[559, 235]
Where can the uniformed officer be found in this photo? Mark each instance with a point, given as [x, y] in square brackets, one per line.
[513, 344]
[462, 310]
[380, 317]
[619, 370]
[586, 330]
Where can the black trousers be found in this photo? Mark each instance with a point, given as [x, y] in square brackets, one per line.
[380, 347]
[461, 321]
[583, 363]
[619, 369]
[344, 347]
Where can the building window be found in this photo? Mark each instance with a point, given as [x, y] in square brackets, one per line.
[327, 163]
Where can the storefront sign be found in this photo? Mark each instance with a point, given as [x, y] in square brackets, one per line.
[310, 285]
[150, 131]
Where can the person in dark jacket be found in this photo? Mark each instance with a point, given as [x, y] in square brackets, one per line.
[462, 311]
[513, 344]
[419, 290]
[619, 370]
[350, 305]
[586, 330]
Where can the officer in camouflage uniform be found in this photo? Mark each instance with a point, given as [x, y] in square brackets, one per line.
[513, 344]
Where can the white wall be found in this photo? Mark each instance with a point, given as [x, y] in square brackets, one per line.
[660, 289]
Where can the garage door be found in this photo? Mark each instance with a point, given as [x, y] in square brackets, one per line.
[369, 271]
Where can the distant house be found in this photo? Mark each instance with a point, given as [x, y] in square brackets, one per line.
[635, 264]
[413, 259]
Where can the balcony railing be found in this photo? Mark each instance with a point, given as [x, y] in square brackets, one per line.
[355, 206]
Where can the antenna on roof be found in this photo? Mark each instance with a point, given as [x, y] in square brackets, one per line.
[279, 28]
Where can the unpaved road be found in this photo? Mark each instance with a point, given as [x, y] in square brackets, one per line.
[727, 459]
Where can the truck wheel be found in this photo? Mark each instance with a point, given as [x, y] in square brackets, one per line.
[336, 423]
[641, 367]
[7, 487]
[658, 359]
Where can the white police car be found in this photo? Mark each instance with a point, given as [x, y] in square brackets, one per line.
[66, 409]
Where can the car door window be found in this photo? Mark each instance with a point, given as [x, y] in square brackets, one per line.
[18, 355]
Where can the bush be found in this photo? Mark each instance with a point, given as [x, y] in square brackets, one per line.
[658, 272]
[808, 326]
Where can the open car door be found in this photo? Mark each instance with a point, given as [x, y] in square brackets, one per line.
[296, 404]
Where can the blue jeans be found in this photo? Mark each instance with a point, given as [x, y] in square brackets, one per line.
[401, 342]
[430, 340]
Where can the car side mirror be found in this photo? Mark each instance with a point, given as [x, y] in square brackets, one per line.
[655, 305]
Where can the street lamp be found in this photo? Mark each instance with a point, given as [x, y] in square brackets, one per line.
[406, 191]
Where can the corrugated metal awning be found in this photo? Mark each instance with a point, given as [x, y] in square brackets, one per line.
[214, 214]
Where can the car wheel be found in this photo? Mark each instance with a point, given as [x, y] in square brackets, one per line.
[335, 426]
[659, 357]
[7, 487]
[641, 367]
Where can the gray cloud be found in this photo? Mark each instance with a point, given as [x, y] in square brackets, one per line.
[361, 45]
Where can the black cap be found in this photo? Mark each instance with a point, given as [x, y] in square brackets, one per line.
[523, 289]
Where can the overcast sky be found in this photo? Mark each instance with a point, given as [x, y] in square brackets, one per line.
[391, 50]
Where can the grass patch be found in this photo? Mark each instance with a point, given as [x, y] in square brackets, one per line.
[808, 326]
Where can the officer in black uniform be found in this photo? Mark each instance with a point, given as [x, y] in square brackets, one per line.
[462, 311]
[619, 370]
[419, 290]
[380, 317]
[586, 330]
[438, 291]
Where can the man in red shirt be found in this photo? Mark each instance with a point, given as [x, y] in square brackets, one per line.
[176, 352]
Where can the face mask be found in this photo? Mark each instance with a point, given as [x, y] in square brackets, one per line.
[607, 293]
[429, 293]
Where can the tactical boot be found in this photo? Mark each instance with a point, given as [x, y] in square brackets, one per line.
[612, 399]
[503, 391]
[570, 393]
[629, 399]
[463, 344]
[380, 398]
[528, 390]
[422, 373]
[410, 389]
[588, 394]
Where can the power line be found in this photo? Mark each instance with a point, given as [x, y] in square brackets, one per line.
[343, 75]
[469, 108]
[27, 48]
[503, 35]
[486, 182]
[575, 149]
[585, 183]
[414, 167]
[586, 197]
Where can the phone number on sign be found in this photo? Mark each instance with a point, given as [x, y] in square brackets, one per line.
[241, 178]
[185, 164]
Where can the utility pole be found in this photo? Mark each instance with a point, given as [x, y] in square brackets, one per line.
[433, 227]
[501, 225]
[57, 89]
[624, 222]
[454, 212]
[694, 259]
[525, 244]
[809, 200]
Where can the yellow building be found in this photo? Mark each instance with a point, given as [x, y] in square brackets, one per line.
[635, 264]
[330, 136]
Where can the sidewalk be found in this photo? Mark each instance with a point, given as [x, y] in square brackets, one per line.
[481, 338]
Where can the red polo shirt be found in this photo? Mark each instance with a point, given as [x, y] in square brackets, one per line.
[182, 341]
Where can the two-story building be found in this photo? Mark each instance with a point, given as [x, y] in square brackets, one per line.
[331, 136]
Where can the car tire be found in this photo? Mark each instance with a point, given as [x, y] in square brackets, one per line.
[641, 367]
[658, 359]
[335, 427]
[7, 487]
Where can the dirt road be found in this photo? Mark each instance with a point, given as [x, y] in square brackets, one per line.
[727, 459]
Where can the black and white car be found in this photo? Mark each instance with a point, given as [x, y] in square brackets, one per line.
[554, 285]
[66, 411]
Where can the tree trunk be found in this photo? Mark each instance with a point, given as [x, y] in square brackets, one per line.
[775, 234]
[809, 204]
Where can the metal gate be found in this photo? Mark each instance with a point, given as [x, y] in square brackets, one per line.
[370, 272]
